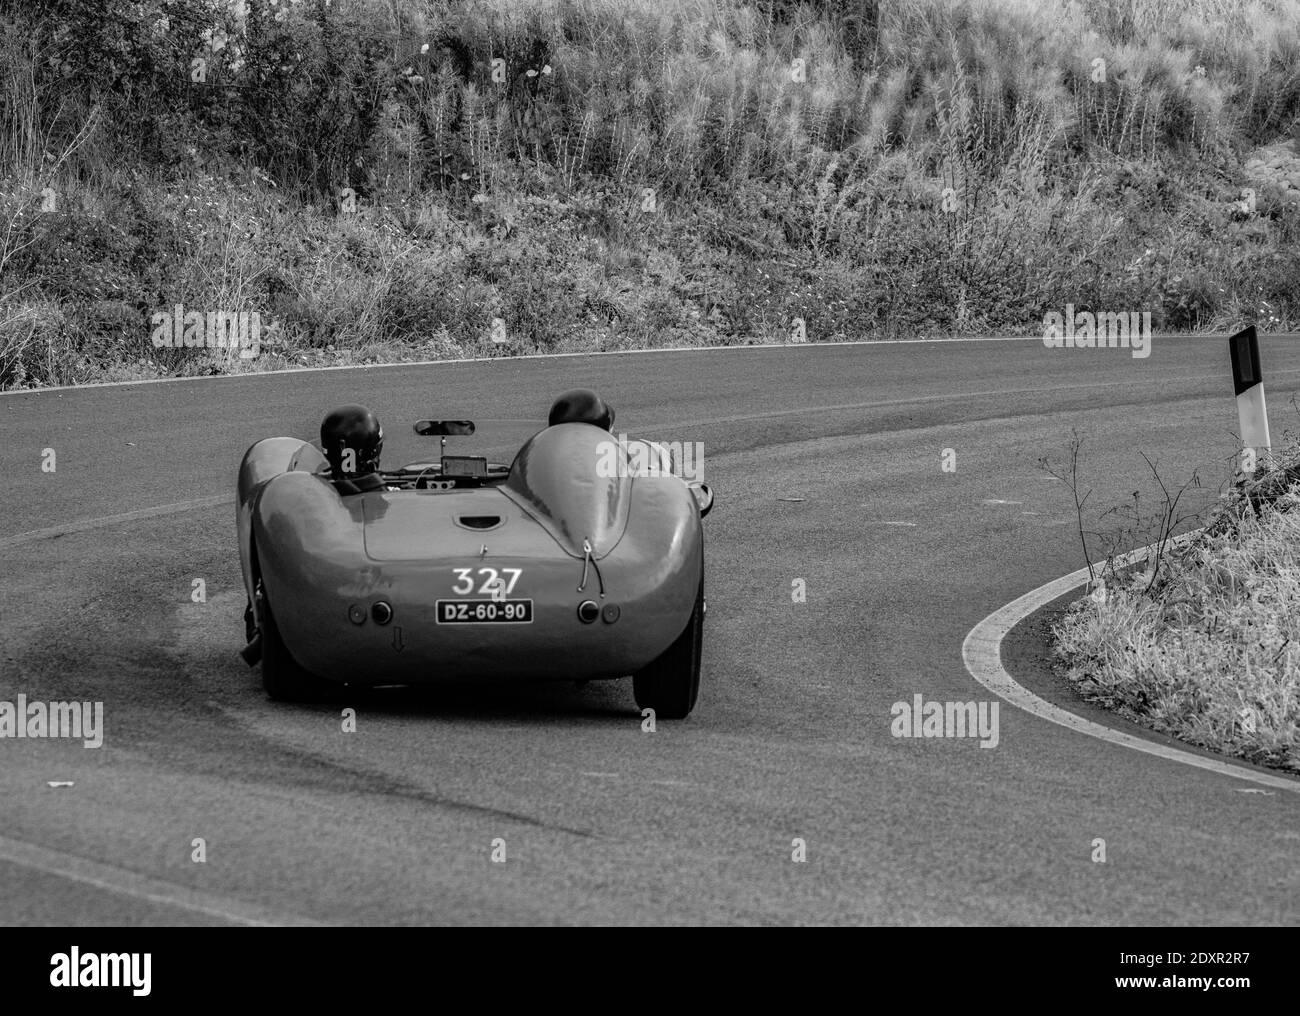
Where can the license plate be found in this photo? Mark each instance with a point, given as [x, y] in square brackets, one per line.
[485, 611]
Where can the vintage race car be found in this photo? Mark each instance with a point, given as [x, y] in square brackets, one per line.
[458, 568]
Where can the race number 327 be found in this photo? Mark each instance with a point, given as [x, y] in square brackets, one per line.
[494, 583]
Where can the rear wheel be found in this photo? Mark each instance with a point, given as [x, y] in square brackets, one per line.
[671, 683]
[282, 677]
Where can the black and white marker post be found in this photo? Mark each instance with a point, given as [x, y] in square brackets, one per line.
[1248, 383]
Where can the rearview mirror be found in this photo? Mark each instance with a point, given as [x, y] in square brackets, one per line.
[444, 428]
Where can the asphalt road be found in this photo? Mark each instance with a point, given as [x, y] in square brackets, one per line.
[826, 462]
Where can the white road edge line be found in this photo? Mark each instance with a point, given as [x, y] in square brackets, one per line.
[129, 883]
[982, 654]
[560, 356]
[107, 520]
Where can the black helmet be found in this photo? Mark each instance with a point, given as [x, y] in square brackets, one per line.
[352, 429]
[581, 406]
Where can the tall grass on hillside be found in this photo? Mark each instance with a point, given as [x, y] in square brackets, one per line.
[387, 178]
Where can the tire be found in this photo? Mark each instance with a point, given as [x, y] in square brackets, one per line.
[671, 683]
[282, 677]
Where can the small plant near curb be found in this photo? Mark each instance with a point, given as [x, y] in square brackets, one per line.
[1202, 640]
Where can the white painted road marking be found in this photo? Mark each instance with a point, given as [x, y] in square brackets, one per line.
[142, 887]
[982, 654]
[14, 392]
[107, 520]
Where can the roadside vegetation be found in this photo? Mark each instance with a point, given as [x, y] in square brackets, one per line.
[415, 179]
[1201, 639]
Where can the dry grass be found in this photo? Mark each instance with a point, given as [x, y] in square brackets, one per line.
[1211, 654]
[778, 197]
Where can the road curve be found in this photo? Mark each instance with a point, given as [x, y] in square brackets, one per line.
[827, 465]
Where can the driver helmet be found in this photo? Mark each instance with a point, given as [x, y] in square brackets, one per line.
[355, 430]
[581, 406]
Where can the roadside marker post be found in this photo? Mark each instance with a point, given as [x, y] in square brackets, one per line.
[1248, 385]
